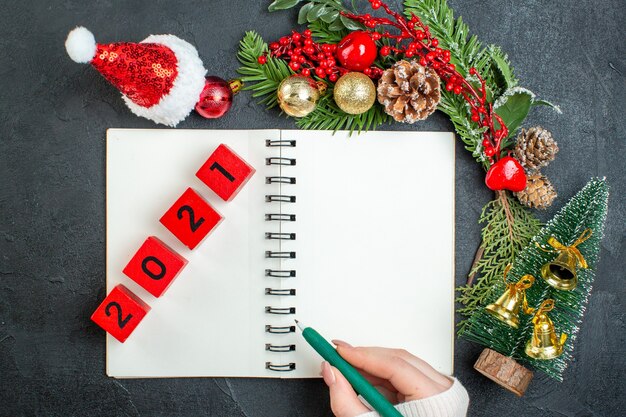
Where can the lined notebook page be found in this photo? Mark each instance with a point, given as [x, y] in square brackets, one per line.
[375, 242]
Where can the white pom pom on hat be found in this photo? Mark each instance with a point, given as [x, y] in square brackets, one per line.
[81, 45]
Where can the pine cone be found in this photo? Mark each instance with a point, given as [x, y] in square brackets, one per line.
[535, 148]
[408, 91]
[539, 192]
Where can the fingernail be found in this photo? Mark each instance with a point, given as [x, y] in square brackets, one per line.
[341, 343]
[328, 374]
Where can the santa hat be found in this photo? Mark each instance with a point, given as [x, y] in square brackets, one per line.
[160, 78]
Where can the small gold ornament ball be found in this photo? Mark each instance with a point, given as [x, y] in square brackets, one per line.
[354, 93]
[298, 95]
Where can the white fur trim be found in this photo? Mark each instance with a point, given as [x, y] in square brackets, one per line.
[184, 94]
[81, 45]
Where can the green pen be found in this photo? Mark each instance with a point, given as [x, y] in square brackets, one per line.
[358, 382]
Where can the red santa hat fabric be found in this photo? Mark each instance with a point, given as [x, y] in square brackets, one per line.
[160, 78]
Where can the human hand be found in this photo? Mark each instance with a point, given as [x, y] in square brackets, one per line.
[396, 373]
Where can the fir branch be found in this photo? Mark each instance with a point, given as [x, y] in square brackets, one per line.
[509, 226]
[264, 79]
[327, 116]
[587, 209]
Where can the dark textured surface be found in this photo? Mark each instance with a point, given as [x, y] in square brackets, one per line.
[53, 117]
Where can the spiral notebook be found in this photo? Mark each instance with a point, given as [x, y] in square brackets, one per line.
[353, 235]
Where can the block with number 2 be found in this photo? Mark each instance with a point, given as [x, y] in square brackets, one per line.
[191, 218]
[154, 266]
[225, 172]
[120, 313]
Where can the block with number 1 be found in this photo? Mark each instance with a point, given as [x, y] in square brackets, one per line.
[225, 172]
[191, 218]
[120, 313]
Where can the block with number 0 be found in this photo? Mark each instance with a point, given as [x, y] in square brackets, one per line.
[154, 266]
[225, 172]
[191, 218]
[120, 313]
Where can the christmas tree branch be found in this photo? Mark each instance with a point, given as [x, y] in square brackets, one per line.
[509, 226]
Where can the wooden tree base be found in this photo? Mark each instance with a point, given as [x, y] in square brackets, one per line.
[505, 371]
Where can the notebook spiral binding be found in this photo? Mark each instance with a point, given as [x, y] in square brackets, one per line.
[282, 163]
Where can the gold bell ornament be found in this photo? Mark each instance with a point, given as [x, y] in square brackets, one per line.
[545, 344]
[298, 95]
[506, 308]
[561, 272]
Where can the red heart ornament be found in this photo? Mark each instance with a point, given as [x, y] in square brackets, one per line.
[506, 174]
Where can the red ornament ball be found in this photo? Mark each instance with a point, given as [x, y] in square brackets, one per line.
[357, 51]
[217, 97]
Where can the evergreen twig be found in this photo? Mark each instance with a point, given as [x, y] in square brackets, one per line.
[501, 241]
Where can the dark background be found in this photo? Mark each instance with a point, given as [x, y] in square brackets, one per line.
[53, 118]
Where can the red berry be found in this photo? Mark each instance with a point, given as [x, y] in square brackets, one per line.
[449, 86]
[296, 36]
[294, 65]
[376, 5]
[368, 72]
[385, 50]
[376, 36]
[434, 42]
[274, 46]
[490, 151]
[475, 118]
[370, 23]
[297, 51]
[446, 54]
[419, 35]
[438, 51]
[423, 62]
[333, 77]
[262, 59]
[326, 48]
[306, 72]
[451, 67]
[457, 89]
[309, 50]
[409, 53]
[320, 72]
[308, 42]
[486, 143]
[410, 24]
[307, 33]
[284, 40]
[472, 71]
[301, 59]
[357, 51]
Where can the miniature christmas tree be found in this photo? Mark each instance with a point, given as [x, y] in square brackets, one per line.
[579, 225]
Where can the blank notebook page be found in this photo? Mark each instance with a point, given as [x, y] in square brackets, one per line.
[374, 249]
[375, 241]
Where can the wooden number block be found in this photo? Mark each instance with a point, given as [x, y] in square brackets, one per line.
[225, 172]
[191, 218]
[120, 313]
[154, 266]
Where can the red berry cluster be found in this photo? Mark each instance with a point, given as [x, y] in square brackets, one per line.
[414, 40]
[308, 58]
